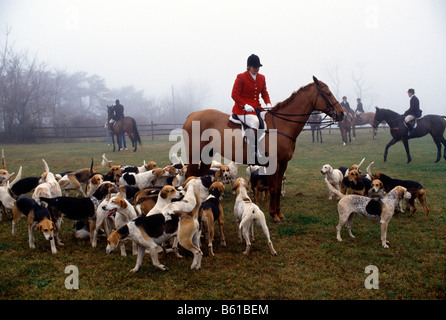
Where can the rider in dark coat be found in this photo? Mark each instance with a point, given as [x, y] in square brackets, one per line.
[346, 106]
[118, 111]
[413, 112]
[117, 114]
[359, 109]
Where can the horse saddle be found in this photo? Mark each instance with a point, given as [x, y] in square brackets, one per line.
[238, 119]
[413, 122]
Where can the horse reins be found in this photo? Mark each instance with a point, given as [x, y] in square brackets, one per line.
[282, 115]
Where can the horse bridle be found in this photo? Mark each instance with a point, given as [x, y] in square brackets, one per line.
[330, 106]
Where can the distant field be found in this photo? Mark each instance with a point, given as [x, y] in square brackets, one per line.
[310, 264]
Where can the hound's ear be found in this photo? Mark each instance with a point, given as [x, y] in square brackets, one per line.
[122, 203]
[39, 227]
[316, 80]
[235, 186]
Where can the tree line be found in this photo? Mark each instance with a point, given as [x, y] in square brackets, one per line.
[33, 95]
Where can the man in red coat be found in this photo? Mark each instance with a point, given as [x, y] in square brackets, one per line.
[248, 87]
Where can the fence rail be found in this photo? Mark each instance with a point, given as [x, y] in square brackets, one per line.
[152, 130]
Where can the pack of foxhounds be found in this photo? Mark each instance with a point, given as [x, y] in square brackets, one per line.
[159, 210]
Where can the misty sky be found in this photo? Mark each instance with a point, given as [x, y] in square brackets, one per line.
[154, 45]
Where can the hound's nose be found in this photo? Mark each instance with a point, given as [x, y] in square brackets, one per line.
[103, 208]
[50, 238]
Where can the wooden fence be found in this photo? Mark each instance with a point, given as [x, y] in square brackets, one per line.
[152, 130]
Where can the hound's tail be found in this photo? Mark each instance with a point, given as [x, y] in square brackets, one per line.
[47, 200]
[47, 168]
[333, 189]
[369, 169]
[254, 210]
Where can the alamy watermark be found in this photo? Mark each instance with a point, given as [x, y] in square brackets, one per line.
[372, 281]
[72, 281]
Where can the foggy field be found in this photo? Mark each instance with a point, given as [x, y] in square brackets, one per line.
[310, 264]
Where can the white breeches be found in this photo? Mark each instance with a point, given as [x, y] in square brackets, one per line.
[408, 118]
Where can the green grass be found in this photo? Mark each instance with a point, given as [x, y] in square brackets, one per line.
[310, 264]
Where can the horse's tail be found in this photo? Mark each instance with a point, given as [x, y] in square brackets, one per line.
[135, 129]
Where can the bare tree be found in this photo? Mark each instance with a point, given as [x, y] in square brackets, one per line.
[333, 73]
[359, 80]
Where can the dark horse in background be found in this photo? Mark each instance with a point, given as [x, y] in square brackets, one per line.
[315, 124]
[433, 124]
[125, 125]
[287, 117]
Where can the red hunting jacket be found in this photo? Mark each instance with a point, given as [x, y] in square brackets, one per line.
[248, 91]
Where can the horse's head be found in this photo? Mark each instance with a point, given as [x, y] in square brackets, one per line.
[109, 112]
[378, 118]
[328, 103]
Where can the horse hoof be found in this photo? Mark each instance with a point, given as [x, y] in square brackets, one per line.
[276, 219]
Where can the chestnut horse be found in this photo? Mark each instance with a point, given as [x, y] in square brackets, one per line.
[125, 125]
[287, 117]
[345, 126]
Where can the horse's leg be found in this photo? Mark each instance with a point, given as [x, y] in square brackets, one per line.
[386, 150]
[320, 133]
[406, 146]
[344, 136]
[437, 142]
[113, 140]
[350, 135]
[279, 178]
[272, 188]
[312, 133]
[443, 141]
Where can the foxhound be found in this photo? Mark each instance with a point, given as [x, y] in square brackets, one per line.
[164, 198]
[48, 186]
[150, 231]
[93, 184]
[246, 213]
[142, 180]
[415, 188]
[381, 210]
[334, 176]
[124, 213]
[377, 189]
[38, 218]
[210, 211]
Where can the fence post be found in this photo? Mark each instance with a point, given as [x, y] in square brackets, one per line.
[153, 133]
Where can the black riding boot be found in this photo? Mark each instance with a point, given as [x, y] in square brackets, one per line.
[410, 127]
